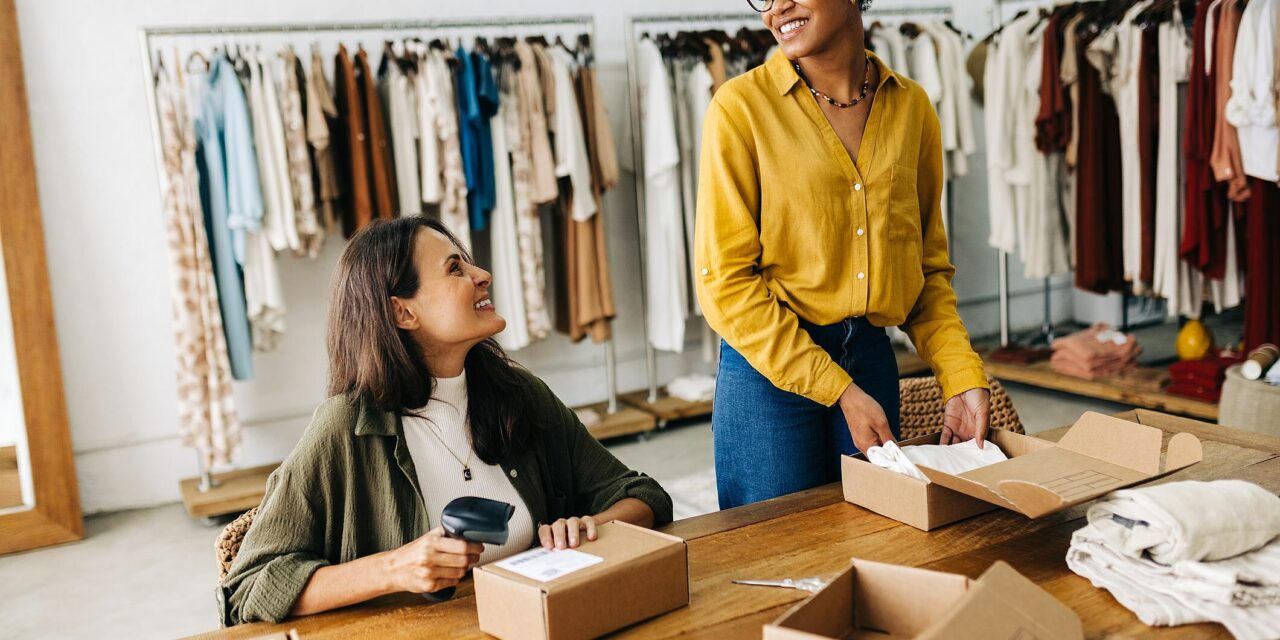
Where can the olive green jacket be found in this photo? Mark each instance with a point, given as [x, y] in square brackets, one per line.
[349, 490]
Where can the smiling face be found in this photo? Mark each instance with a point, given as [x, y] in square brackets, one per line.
[451, 308]
[807, 27]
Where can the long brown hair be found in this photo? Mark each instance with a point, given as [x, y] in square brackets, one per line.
[372, 359]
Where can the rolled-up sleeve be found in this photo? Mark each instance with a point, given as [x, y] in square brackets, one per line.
[279, 553]
[733, 294]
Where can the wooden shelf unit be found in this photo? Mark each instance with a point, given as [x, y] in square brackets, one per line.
[236, 491]
[1042, 375]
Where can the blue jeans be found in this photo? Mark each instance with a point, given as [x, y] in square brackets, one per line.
[770, 442]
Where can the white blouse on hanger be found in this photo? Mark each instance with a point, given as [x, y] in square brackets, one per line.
[1252, 108]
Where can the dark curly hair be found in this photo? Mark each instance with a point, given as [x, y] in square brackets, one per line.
[864, 5]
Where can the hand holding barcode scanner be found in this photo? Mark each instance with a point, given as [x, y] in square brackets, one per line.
[434, 564]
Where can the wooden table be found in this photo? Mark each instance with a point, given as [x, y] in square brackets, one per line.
[1042, 375]
[816, 533]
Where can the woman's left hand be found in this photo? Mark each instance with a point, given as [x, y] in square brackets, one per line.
[967, 416]
[566, 533]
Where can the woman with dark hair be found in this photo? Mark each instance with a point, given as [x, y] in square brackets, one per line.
[425, 408]
[819, 223]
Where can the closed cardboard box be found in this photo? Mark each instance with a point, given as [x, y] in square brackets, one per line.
[872, 600]
[639, 574]
[1097, 455]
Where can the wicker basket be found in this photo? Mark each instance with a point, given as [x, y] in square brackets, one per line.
[923, 407]
[228, 543]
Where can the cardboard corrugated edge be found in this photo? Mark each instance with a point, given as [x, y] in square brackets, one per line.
[1090, 432]
[1003, 600]
[503, 605]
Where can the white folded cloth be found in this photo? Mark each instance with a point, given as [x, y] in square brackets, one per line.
[694, 388]
[1219, 572]
[1189, 520]
[953, 458]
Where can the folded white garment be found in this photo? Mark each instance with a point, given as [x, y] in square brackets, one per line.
[954, 458]
[1188, 521]
[1189, 592]
[694, 388]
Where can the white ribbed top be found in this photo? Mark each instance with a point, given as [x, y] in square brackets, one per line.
[440, 473]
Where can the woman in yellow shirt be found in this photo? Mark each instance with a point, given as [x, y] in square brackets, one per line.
[819, 224]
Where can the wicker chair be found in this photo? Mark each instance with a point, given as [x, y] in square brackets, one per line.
[922, 407]
[228, 543]
[921, 414]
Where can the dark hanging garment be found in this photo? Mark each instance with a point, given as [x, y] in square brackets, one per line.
[1204, 229]
[1262, 268]
[382, 178]
[350, 143]
[1099, 225]
[1148, 134]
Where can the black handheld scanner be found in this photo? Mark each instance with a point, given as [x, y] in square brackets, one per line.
[475, 520]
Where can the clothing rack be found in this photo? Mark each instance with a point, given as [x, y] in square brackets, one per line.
[1046, 328]
[637, 151]
[147, 35]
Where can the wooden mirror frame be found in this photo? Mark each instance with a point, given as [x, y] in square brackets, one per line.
[56, 517]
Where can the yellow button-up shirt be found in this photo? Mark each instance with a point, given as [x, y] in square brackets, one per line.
[789, 227]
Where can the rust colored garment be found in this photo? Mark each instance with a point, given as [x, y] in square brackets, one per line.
[382, 179]
[1099, 262]
[593, 303]
[1148, 128]
[1053, 123]
[1262, 269]
[352, 159]
[1225, 158]
[1204, 230]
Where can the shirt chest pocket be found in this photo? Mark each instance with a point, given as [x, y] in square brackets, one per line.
[904, 206]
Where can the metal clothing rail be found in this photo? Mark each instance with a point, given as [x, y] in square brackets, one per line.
[147, 34]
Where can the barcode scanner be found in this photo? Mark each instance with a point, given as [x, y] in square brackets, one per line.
[474, 520]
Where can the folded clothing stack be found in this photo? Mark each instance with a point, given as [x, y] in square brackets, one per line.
[950, 458]
[694, 388]
[1187, 552]
[1202, 379]
[1096, 352]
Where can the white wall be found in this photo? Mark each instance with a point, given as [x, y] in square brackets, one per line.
[108, 262]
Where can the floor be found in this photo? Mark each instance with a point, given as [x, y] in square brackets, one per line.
[150, 573]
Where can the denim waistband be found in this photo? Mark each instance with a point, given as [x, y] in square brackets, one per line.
[838, 339]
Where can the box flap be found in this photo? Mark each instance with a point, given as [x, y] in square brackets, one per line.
[902, 601]
[1115, 440]
[826, 614]
[1005, 604]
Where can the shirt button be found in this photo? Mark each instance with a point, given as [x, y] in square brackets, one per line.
[861, 275]
[860, 231]
[513, 473]
[857, 186]
[705, 271]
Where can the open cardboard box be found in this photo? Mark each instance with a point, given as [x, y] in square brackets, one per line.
[1097, 455]
[872, 600]
[644, 573]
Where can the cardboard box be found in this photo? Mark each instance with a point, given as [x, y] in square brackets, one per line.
[644, 573]
[1097, 455]
[875, 600]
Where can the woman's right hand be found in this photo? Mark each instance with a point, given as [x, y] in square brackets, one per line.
[867, 422]
[431, 563]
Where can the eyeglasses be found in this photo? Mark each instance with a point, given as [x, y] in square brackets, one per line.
[761, 6]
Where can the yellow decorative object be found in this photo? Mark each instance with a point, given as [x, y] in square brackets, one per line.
[1195, 341]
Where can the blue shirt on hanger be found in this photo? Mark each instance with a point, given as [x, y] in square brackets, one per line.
[468, 134]
[487, 102]
[234, 201]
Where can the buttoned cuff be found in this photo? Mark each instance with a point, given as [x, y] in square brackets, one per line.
[958, 382]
